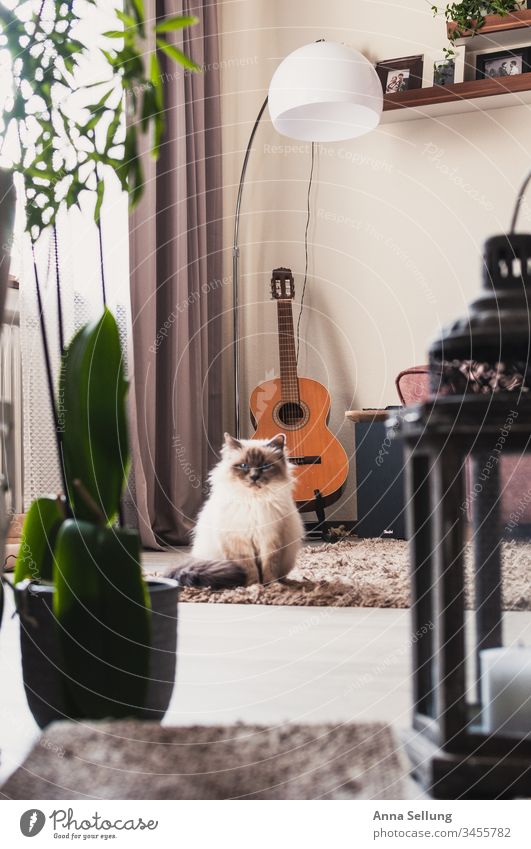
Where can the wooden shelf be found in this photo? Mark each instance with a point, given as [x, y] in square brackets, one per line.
[497, 23]
[367, 415]
[492, 93]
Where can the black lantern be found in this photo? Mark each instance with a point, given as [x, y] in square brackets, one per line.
[471, 735]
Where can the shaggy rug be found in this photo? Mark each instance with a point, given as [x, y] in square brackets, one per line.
[128, 759]
[366, 573]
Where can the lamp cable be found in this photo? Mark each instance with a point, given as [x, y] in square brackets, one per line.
[308, 218]
[519, 201]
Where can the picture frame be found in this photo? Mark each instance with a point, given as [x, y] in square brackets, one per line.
[503, 63]
[439, 70]
[399, 75]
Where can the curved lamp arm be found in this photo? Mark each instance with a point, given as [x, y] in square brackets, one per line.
[236, 274]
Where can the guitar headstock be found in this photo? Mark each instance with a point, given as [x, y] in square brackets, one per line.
[282, 284]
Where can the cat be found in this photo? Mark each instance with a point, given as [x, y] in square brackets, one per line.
[249, 530]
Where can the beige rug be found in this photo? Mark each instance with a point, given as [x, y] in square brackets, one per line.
[365, 573]
[128, 759]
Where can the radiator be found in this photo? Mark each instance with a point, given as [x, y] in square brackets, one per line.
[11, 446]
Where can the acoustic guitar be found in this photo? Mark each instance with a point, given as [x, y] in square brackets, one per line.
[299, 408]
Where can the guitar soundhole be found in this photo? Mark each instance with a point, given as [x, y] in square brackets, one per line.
[291, 414]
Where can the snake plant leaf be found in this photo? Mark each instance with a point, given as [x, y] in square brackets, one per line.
[37, 542]
[102, 611]
[93, 392]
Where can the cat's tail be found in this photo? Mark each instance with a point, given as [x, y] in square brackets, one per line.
[216, 574]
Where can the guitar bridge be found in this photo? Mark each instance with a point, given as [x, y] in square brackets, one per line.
[305, 461]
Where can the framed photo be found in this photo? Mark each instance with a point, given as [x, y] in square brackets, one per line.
[439, 70]
[398, 75]
[503, 63]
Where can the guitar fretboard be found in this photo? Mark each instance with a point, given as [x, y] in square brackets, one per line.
[287, 353]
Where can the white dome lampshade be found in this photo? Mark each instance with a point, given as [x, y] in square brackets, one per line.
[325, 92]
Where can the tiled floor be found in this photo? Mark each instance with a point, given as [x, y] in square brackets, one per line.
[263, 664]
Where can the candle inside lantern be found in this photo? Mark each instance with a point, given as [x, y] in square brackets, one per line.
[506, 690]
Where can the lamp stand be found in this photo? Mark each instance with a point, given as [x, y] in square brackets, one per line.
[236, 276]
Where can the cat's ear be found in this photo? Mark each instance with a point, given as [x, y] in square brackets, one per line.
[278, 442]
[232, 442]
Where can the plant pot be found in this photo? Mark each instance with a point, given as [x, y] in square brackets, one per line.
[41, 651]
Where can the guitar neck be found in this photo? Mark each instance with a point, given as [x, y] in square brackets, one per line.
[287, 352]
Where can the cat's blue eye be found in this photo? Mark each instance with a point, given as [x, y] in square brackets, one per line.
[244, 466]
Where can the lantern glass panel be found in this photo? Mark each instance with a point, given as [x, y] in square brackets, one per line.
[497, 549]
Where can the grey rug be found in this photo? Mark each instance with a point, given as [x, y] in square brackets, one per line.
[366, 573]
[128, 759]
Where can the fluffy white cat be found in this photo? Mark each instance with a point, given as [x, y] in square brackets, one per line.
[249, 529]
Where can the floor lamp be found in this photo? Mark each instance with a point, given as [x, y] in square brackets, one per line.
[322, 92]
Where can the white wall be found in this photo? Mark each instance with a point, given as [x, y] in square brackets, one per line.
[398, 216]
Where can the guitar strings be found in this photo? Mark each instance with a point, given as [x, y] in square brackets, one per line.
[308, 215]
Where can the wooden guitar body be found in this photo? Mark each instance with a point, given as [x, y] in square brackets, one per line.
[298, 407]
[319, 458]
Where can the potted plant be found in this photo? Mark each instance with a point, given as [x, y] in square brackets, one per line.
[97, 640]
[468, 16]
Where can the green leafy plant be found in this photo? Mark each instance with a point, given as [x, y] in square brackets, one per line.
[100, 600]
[469, 16]
[68, 130]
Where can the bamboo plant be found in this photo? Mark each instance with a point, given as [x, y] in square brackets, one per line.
[68, 130]
[100, 600]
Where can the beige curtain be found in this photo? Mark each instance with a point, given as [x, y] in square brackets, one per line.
[176, 279]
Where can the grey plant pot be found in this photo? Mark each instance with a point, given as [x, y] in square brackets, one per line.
[41, 656]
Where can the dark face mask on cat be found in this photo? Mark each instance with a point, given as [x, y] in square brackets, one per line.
[255, 474]
[257, 466]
